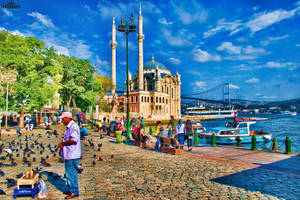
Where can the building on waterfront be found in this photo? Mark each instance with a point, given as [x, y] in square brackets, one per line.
[154, 92]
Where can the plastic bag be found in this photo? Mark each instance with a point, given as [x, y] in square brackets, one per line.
[42, 190]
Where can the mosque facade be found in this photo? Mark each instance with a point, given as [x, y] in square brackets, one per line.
[154, 93]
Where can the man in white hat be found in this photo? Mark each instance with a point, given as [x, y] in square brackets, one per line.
[71, 152]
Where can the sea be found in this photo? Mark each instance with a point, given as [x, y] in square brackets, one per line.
[280, 125]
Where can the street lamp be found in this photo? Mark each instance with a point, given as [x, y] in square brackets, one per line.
[92, 70]
[127, 26]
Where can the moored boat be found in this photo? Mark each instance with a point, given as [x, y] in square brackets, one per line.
[228, 134]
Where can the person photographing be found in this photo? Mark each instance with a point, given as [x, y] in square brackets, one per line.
[71, 153]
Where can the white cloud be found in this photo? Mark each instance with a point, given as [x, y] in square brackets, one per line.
[102, 66]
[164, 21]
[234, 87]
[174, 61]
[227, 46]
[222, 25]
[200, 84]
[270, 39]
[241, 53]
[264, 19]
[7, 12]
[251, 50]
[81, 50]
[278, 65]
[109, 9]
[123, 63]
[252, 80]
[197, 73]
[297, 45]
[194, 14]
[178, 40]
[259, 21]
[44, 19]
[269, 97]
[15, 32]
[203, 56]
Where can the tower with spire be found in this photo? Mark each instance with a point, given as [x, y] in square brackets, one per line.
[113, 45]
[140, 38]
[154, 92]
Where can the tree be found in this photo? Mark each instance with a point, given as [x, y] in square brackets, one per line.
[7, 77]
[76, 76]
[37, 67]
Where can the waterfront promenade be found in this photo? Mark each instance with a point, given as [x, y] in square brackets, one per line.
[129, 172]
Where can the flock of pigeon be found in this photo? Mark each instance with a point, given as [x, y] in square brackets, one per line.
[29, 150]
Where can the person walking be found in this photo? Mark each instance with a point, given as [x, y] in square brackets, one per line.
[71, 153]
[180, 133]
[189, 134]
[157, 130]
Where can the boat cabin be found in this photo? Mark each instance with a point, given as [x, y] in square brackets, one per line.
[234, 128]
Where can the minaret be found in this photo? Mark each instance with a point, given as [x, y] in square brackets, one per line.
[140, 38]
[113, 45]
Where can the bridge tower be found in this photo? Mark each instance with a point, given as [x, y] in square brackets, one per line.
[226, 93]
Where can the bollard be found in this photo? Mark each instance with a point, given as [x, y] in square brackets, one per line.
[196, 137]
[213, 140]
[274, 144]
[170, 133]
[238, 141]
[150, 131]
[288, 145]
[253, 147]
[118, 136]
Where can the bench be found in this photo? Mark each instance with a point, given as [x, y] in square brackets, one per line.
[136, 141]
[167, 145]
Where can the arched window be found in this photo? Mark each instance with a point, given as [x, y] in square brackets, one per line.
[167, 90]
[162, 88]
[131, 99]
[151, 99]
[172, 93]
[136, 99]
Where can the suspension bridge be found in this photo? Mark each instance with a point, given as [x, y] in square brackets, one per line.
[220, 94]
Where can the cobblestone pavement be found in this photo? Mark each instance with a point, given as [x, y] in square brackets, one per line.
[129, 172]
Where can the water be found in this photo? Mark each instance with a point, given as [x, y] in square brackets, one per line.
[280, 126]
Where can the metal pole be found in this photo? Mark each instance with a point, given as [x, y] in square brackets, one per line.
[92, 97]
[6, 110]
[127, 88]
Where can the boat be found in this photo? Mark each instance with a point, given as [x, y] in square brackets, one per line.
[229, 133]
[287, 112]
[198, 126]
[199, 112]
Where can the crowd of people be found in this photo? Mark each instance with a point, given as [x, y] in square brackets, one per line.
[178, 130]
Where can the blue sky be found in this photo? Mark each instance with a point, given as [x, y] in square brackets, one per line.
[254, 45]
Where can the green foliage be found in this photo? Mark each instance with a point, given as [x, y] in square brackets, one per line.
[37, 70]
[41, 72]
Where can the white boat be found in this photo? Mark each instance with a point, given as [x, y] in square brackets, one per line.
[289, 113]
[201, 112]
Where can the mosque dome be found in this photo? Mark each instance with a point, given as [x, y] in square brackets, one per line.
[153, 64]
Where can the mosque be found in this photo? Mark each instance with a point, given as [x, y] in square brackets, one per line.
[154, 93]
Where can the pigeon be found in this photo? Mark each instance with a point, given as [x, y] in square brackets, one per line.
[100, 145]
[11, 182]
[99, 149]
[112, 156]
[100, 159]
[2, 173]
[33, 159]
[94, 163]
[95, 155]
[37, 169]
[19, 175]
[2, 192]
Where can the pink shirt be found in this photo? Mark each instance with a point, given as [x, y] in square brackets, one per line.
[72, 133]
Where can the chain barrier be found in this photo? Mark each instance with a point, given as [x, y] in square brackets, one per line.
[281, 144]
[295, 148]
